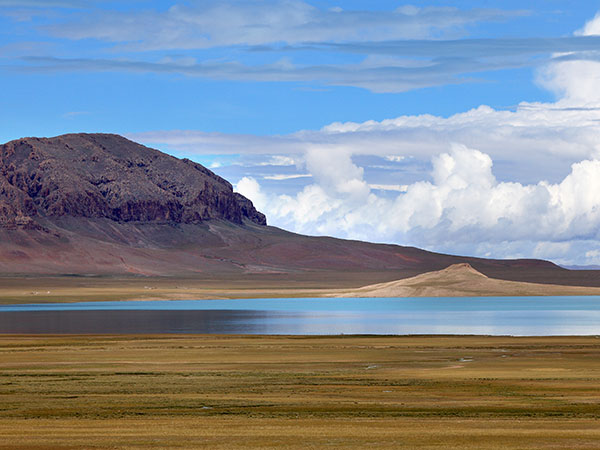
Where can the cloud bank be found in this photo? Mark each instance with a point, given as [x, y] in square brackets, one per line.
[206, 24]
[462, 207]
[383, 51]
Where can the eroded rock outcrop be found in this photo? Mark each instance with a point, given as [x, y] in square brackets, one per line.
[108, 176]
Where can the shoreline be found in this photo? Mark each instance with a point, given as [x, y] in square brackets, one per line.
[35, 290]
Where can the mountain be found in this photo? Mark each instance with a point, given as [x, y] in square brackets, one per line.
[99, 204]
[107, 176]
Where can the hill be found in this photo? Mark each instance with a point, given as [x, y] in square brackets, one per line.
[461, 280]
[101, 205]
[107, 176]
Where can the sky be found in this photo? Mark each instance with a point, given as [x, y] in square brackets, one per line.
[464, 127]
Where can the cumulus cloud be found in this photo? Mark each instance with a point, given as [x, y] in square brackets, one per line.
[463, 206]
[576, 82]
[558, 134]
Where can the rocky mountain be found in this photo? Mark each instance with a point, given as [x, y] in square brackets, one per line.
[108, 176]
[99, 204]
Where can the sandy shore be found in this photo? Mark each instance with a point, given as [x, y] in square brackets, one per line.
[456, 281]
[460, 280]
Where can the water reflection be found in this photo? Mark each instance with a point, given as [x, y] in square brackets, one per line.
[492, 316]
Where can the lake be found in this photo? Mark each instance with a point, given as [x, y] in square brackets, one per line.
[519, 316]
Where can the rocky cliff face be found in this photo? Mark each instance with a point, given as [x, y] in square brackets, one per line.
[108, 176]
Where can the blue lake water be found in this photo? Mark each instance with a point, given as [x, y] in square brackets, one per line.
[521, 316]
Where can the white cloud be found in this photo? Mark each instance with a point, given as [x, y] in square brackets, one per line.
[502, 183]
[395, 158]
[576, 82]
[592, 257]
[250, 188]
[382, 51]
[389, 187]
[213, 23]
[591, 28]
[280, 177]
[557, 134]
[464, 204]
[280, 160]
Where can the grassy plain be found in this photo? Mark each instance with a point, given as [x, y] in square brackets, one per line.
[177, 391]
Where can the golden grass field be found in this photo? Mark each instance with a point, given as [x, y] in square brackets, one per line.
[239, 392]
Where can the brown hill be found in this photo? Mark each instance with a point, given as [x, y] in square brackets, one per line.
[99, 204]
[108, 176]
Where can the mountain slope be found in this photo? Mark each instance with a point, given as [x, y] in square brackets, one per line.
[99, 204]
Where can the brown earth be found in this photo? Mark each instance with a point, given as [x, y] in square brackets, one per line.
[222, 253]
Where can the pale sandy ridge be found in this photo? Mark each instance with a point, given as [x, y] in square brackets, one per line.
[460, 280]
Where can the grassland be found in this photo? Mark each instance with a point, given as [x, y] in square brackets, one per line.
[299, 392]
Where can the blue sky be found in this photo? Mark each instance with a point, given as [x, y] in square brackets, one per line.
[464, 127]
[45, 99]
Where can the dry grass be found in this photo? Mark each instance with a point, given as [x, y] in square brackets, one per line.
[299, 392]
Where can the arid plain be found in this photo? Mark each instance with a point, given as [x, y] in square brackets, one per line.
[458, 280]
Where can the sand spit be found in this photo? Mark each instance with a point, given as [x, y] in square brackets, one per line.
[461, 280]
